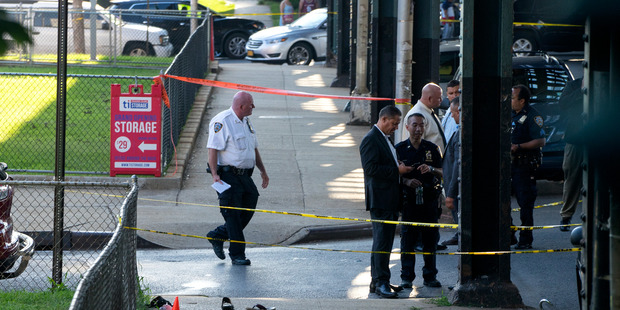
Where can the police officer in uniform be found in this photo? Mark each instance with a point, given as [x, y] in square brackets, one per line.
[421, 189]
[528, 137]
[233, 153]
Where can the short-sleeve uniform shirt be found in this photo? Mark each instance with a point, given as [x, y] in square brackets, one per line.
[527, 125]
[234, 139]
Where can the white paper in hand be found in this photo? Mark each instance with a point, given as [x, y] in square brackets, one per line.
[220, 187]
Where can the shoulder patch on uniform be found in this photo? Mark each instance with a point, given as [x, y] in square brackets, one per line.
[539, 120]
[217, 127]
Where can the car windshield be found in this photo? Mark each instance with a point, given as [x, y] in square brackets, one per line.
[310, 20]
[546, 84]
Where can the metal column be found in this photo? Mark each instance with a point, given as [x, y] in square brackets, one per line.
[404, 37]
[485, 158]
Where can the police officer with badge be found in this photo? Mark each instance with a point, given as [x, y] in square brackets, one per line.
[421, 189]
[233, 153]
[528, 137]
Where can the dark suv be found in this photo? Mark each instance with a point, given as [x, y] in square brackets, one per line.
[563, 31]
[230, 34]
[546, 77]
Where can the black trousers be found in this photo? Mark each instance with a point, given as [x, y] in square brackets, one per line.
[241, 194]
[525, 191]
[382, 241]
[426, 213]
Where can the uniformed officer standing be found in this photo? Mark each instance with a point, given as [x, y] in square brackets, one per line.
[233, 150]
[528, 137]
[421, 189]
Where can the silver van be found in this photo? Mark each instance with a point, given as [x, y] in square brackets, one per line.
[113, 37]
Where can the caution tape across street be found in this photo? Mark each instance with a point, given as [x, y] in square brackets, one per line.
[356, 251]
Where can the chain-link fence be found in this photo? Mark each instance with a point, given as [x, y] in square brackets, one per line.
[94, 37]
[112, 282]
[90, 216]
[192, 61]
[28, 141]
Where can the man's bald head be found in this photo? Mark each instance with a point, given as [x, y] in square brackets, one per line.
[431, 95]
[242, 104]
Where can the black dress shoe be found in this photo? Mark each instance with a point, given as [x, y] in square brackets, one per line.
[385, 291]
[523, 246]
[565, 221]
[372, 287]
[406, 284]
[241, 261]
[453, 241]
[432, 283]
[441, 247]
[218, 248]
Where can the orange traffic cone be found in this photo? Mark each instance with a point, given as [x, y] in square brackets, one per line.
[175, 306]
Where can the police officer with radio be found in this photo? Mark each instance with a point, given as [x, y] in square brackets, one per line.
[233, 150]
[421, 189]
[528, 138]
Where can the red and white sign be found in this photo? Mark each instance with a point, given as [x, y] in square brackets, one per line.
[135, 131]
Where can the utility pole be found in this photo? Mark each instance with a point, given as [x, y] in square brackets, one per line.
[404, 38]
[360, 109]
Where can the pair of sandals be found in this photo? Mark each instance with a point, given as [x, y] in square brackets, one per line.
[227, 305]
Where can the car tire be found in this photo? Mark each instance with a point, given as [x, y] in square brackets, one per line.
[300, 54]
[234, 46]
[524, 44]
[138, 50]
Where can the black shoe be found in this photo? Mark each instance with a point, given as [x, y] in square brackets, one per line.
[523, 246]
[565, 221]
[441, 247]
[406, 284]
[240, 261]
[385, 291]
[218, 247]
[513, 240]
[453, 241]
[227, 304]
[432, 283]
[372, 287]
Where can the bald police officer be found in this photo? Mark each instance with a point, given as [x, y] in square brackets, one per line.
[233, 153]
[528, 137]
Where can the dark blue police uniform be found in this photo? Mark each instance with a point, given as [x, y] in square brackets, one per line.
[527, 125]
[419, 209]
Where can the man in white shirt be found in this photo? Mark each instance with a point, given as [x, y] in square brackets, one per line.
[233, 153]
[453, 90]
[430, 99]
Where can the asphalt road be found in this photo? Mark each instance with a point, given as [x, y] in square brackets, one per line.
[295, 273]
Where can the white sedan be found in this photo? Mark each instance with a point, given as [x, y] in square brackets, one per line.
[298, 43]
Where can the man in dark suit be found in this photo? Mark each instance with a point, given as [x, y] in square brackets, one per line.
[381, 183]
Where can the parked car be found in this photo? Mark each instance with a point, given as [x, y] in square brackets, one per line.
[230, 33]
[297, 43]
[113, 36]
[567, 18]
[546, 77]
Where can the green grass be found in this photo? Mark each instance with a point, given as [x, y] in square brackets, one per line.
[440, 301]
[84, 59]
[48, 300]
[27, 140]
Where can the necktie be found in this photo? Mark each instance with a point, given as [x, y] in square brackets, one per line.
[436, 119]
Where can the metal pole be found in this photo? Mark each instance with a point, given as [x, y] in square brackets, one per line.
[61, 100]
[404, 38]
[194, 20]
[360, 109]
[93, 29]
[614, 200]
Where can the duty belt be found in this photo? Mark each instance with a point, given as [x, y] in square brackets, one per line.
[235, 170]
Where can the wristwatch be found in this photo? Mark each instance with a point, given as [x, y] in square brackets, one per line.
[432, 168]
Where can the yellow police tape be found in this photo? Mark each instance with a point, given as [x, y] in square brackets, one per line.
[264, 14]
[327, 217]
[357, 251]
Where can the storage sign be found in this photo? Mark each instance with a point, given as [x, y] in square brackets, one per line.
[135, 131]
